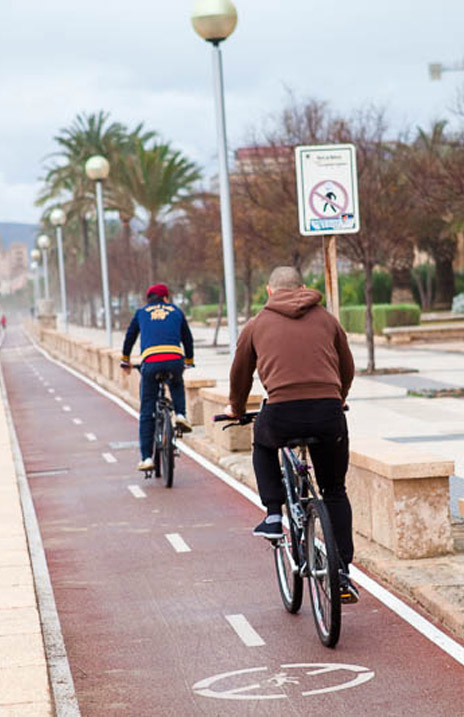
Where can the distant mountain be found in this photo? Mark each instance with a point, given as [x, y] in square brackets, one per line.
[11, 232]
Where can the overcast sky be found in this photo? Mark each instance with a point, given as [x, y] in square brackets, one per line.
[141, 61]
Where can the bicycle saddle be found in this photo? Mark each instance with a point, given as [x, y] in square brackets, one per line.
[306, 441]
[163, 375]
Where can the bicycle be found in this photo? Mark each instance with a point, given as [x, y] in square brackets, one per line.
[165, 448]
[308, 548]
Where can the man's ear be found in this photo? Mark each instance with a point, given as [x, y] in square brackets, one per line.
[303, 286]
[269, 291]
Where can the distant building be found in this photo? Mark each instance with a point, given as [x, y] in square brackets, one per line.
[13, 267]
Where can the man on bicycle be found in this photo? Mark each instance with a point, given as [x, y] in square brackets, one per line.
[163, 331]
[304, 362]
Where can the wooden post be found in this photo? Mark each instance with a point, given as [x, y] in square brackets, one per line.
[331, 274]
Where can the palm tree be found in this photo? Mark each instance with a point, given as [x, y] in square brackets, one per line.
[65, 180]
[158, 179]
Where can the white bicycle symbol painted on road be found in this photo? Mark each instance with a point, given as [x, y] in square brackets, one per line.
[236, 685]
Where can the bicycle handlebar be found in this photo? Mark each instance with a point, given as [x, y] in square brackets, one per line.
[243, 420]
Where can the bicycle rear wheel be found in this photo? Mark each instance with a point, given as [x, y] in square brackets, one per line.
[324, 589]
[288, 569]
[167, 450]
[287, 558]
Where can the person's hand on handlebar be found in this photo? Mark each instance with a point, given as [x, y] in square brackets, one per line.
[229, 412]
[126, 366]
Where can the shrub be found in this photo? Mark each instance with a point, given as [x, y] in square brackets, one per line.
[458, 304]
[353, 318]
[201, 312]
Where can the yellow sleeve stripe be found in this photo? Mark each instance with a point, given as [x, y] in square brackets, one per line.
[166, 349]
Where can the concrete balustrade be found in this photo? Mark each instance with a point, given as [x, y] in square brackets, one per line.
[400, 497]
[236, 438]
[193, 388]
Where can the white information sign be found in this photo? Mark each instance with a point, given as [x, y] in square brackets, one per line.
[327, 189]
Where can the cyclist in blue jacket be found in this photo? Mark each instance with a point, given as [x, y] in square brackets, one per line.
[163, 331]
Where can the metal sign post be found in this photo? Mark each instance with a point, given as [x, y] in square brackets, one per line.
[328, 202]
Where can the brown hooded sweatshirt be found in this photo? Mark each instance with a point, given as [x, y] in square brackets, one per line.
[299, 349]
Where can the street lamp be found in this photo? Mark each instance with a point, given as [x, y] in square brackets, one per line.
[34, 267]
[97, 169]
[58, 219]
[214, 21]
[43, 243]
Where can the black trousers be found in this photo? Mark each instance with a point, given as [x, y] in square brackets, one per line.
[324, 418]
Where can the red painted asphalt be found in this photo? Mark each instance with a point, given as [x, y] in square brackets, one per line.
[145, 626]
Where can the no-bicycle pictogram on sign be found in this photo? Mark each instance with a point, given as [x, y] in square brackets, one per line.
[327, 189]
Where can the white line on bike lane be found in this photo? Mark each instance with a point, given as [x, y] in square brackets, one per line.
[66, 408]
[178, 543]
[109, 458]
[245, 631]
[77, 421]
[91, 436]
[136, 491]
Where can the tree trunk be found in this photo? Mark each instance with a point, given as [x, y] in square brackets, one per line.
[401, 286]
[152, 235]
[421, 289]
[248, 279]
[369, 294]
[444, 279]
[84, 226]
[219, 314]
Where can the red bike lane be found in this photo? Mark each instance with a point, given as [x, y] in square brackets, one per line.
[168, 605]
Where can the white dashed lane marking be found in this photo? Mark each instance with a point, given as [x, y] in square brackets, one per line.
[245, 631]
[58, 398]
[77, 421]
[136, 491]
[109, 458]
[91, 436]
[178, 543]
[51, 390]
[66, 408]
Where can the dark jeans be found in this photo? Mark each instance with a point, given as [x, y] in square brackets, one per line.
[324, 418]
[149, 394]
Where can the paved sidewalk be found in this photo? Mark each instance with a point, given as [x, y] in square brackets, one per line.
[24, 685]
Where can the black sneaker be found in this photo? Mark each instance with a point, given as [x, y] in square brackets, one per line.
[271, 531]
[348, 591]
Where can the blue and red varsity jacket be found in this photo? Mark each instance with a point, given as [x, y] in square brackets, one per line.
[162, 328]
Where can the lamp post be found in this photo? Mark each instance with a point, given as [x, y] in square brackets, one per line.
[35, 256]
[214, 21]
[97, 169]
[43, 243]
[58, 219]
[34, 267]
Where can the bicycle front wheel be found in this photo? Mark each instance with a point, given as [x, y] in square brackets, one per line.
[322, 559]
[167, 450]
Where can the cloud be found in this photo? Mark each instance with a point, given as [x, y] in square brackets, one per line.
[17, 201]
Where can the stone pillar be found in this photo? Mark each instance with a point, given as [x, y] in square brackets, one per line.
[46, 314]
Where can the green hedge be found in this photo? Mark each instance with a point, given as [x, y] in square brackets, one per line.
[205, 311]
[353, 318]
